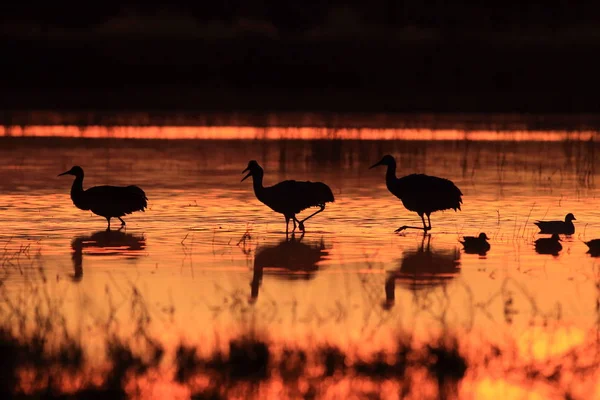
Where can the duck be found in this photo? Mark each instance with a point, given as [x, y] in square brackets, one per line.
[476, 244]
[565, 227]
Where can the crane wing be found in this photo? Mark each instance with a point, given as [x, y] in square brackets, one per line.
[294, 196]
[424, 193]
[115, 200]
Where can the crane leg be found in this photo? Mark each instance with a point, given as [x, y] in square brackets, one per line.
[425, 228]
[428, 221]
[122, 222]
[287, 223]
[294, 219]
[301, 223]
[108, 220]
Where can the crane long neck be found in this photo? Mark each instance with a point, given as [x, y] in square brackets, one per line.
[390, 175]
[77, 188]
[257, 183]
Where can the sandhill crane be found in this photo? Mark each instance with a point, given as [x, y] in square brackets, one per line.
[421, 193]
[289, 197]
[106, 201]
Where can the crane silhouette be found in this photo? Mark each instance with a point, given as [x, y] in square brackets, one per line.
[289, 197]
[565, 227]
[106, 201]
[421, 193]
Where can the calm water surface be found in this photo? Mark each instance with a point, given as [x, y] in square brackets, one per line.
[210, 261]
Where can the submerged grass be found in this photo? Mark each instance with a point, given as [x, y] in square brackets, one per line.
[40, 359]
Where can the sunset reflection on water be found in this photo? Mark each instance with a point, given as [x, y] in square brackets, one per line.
[211, 262]
[290, 133]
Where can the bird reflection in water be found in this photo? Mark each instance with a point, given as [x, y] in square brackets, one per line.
[549, 245]
[422, 268]
[104, 243]
[594, 247]
[290, 259]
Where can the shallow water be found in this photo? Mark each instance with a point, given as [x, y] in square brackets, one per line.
[211, 261]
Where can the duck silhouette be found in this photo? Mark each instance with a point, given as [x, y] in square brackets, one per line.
[423, 268]
[549, 245]
[565, 227]
[476, 244]
[290, 259]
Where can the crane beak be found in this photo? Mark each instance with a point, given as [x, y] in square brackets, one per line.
[64, 173]
[246, 177]
[375, 165]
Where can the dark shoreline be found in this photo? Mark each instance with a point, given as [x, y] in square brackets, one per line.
[175, 98]
[447, 75]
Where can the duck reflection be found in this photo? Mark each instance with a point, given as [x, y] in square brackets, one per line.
[104, 243]
[422, 268]
[549, 245]
[290, 259]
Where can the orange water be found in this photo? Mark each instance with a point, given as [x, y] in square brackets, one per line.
[207, 256]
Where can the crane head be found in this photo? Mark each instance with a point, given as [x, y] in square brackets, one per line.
[386, 160]
[76, 171]
[252, 169]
